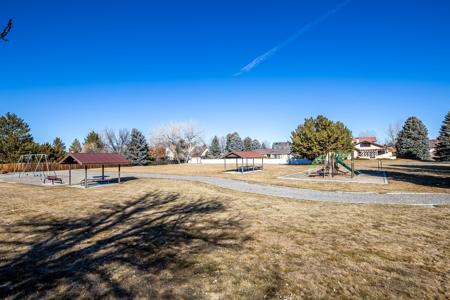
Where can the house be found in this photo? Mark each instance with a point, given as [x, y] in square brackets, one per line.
[368, 148]
[280, 150]
[432, 145]
[198, 153]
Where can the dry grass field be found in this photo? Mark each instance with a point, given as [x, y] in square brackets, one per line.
[403, 175]
[158, 239]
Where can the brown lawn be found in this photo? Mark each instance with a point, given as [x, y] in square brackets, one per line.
[403, 175]
[181, 240]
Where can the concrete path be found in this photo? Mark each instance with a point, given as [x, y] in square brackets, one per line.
[313, 195]
[270, 190]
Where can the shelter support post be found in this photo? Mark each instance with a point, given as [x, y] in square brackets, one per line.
[85, 177]
[118, 178]
[103, 172]
[70, 174]
[253, 164]
[242, 166]
[262, 163]
[353, 164]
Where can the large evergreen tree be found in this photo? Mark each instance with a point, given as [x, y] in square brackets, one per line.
[214, 150]
[137, 151]
[75, 147]
[46, 148]
[93, 143]
[412, 140]
[248, 143]
[15, 138]
[234, 142]
[256, 144]
[318, 136]
[443, 145]
[59, 149]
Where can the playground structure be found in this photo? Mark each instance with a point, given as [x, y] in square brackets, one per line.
[331, 164]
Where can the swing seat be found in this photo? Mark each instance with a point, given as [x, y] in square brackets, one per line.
[53, 179]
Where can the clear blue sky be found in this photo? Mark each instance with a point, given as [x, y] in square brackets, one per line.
[72, 66]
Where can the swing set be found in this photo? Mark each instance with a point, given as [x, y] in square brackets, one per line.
[36, 165]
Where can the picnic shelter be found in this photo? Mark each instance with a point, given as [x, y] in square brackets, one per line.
[89, 160]
[240, 156]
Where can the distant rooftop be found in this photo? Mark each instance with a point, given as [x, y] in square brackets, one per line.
[432, 143]
[370, 139]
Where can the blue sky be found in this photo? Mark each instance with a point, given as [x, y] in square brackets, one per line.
[74, 66]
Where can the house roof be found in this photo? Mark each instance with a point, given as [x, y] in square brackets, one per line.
[244, 154]
[371, 143]
[370, 139]
[95, 159]
[281, 145]
[432, 143]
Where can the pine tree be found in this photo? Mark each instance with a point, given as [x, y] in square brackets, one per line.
[443, 145]
[256, 144]
[234, 142]
[15, 138]
[75, 147]
[248, 144]
[137, 151]
[46, 148]
[412, 140]
[318, 136]
[93, 143]
[214, 148]
[59, 149]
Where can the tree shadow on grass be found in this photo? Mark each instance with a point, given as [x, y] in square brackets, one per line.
[420, 175]
[434, 168]
[86, 257]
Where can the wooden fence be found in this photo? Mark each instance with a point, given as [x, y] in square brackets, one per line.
[20, 167]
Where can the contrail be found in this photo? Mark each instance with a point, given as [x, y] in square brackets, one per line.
[304, 29]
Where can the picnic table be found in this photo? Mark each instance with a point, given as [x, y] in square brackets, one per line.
[97, 178]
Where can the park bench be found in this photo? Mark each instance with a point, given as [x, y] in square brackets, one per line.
[53, 178]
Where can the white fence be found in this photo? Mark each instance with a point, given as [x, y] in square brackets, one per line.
[269, 161]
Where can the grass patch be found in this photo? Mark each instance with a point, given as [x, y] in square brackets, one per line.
[157, 239]
[403, 175]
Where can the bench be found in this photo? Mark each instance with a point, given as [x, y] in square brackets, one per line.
[53, 179]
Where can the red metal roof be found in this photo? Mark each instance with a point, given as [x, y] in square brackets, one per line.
[244, 154]
[95, 159]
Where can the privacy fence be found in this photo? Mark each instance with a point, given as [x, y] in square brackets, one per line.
[20, 167]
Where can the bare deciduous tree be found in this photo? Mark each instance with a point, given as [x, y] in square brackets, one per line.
[116, 143]
[392, 133]
[180, 138]
[223, 144]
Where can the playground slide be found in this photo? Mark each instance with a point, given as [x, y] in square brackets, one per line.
[347, 166]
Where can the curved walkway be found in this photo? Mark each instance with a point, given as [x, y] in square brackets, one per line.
[313, 195]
